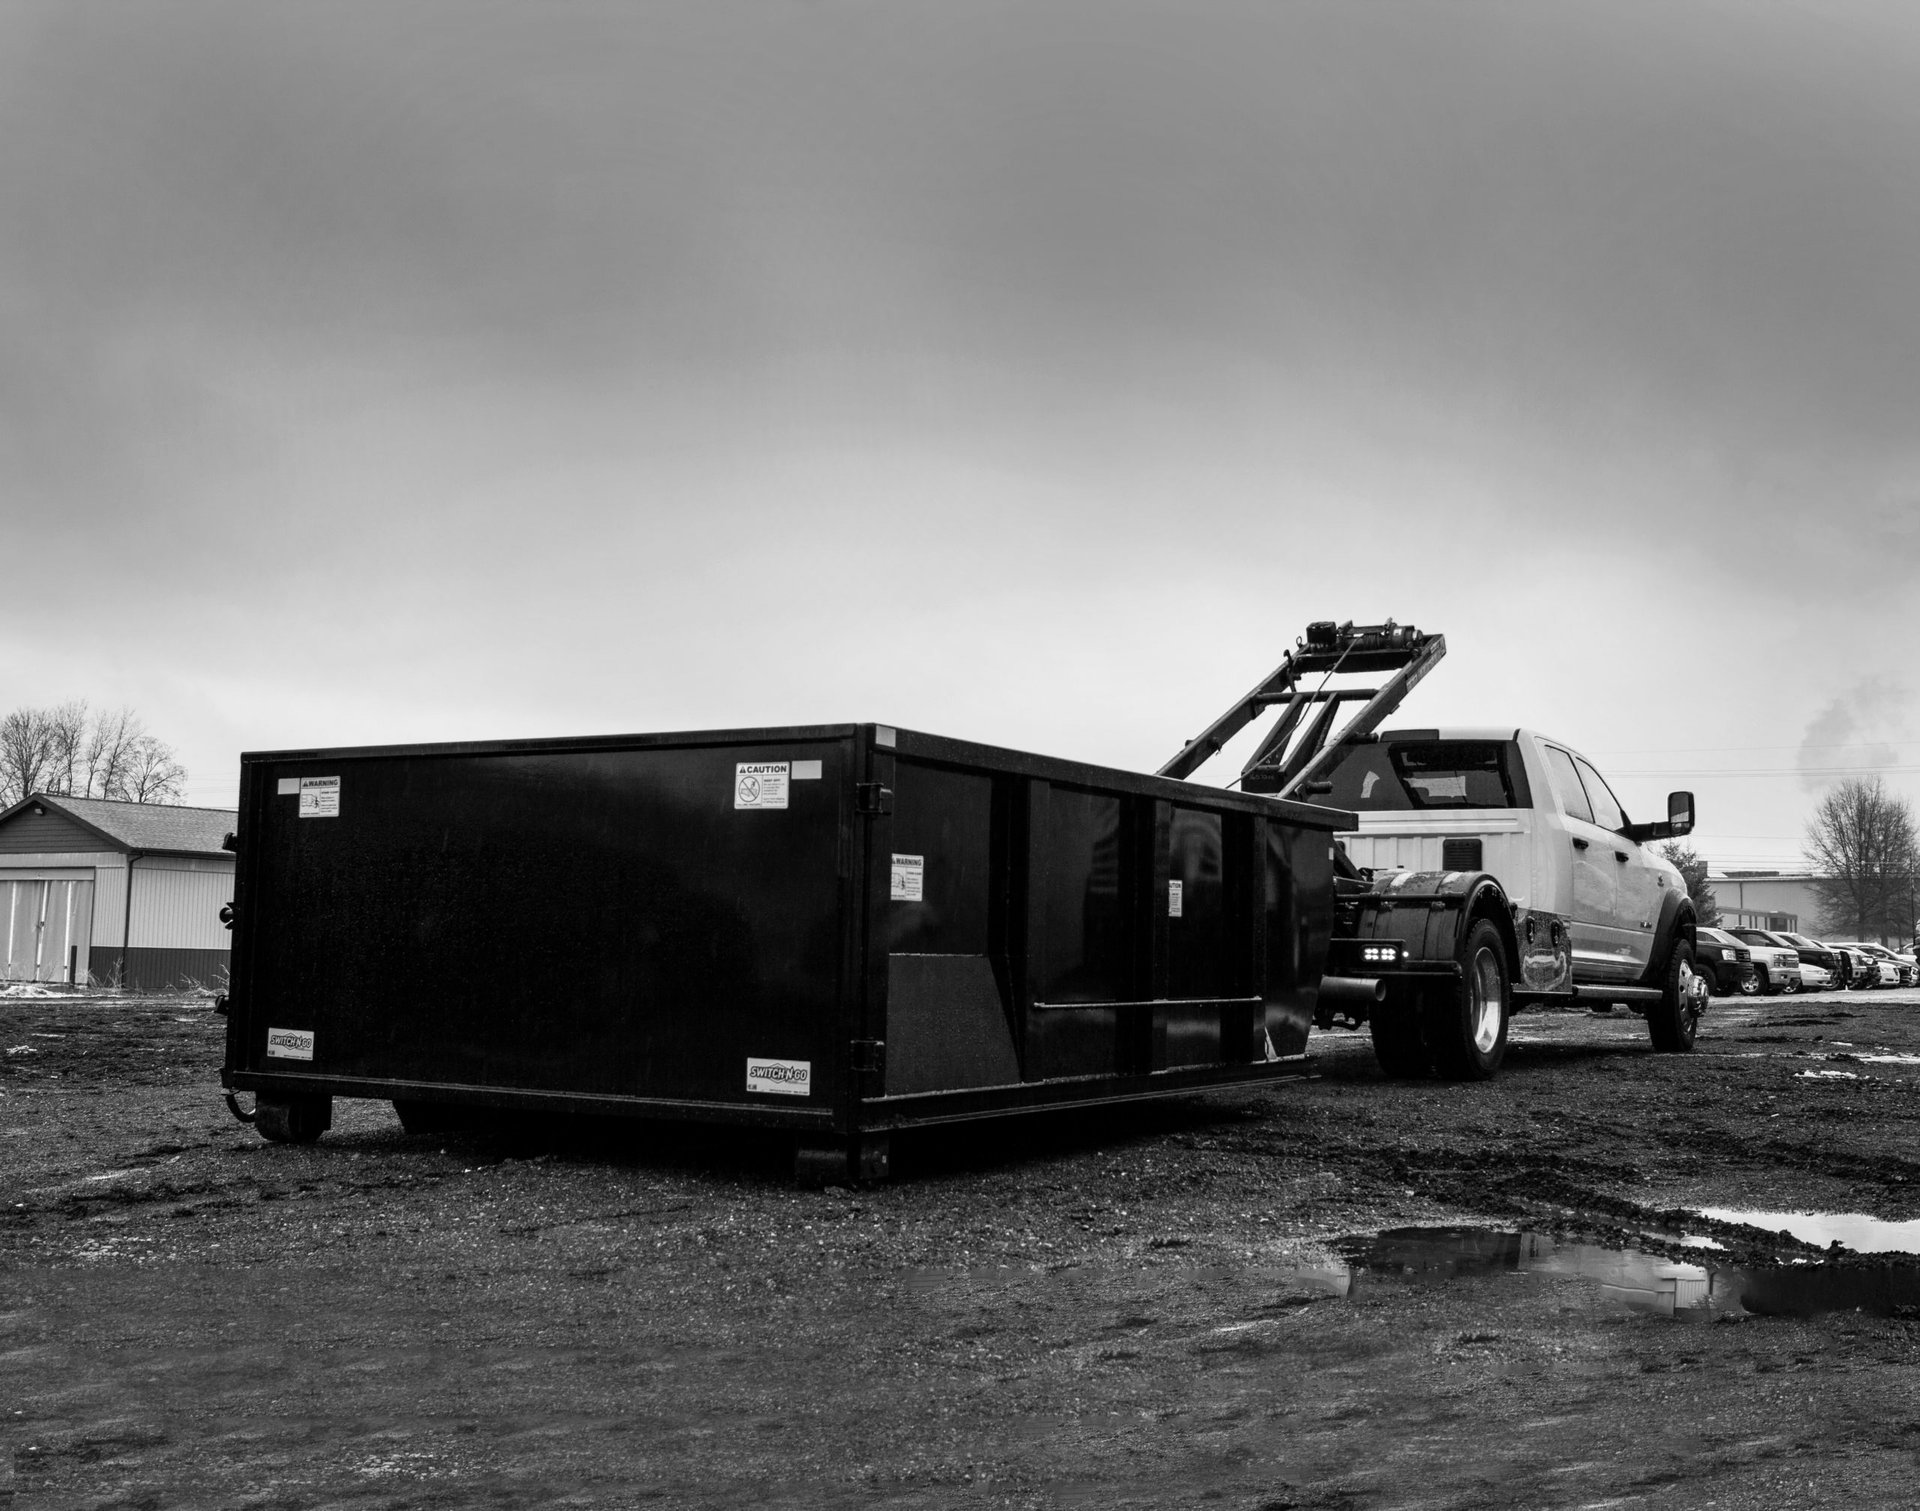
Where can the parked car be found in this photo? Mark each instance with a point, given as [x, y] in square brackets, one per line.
[1776, 964]
[1812, 952]
[1724, 961]
[1863, 971]
[1814, 978]
[1893, 970]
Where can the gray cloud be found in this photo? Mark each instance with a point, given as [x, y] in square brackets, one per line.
[1852, 730]
[469, 341]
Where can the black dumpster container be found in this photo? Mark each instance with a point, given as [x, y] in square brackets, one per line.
[840, 930]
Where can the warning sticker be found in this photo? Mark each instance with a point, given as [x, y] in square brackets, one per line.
[787, 1078]
[760, 784]
[1173, 899]
[319, 797]
[908, 878]
[290, 1043]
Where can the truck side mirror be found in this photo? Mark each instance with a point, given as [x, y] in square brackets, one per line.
[1680, 813]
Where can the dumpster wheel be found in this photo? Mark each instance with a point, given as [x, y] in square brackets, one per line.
[294, 1120]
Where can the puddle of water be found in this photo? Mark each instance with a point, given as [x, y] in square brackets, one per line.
[1889, 1059]
[1630, 1278]
[1402, 1256]
[1864, 1235]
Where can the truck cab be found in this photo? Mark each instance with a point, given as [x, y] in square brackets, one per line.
[1594, 905]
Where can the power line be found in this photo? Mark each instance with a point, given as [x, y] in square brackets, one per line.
[1702, 749]
[1696, 771]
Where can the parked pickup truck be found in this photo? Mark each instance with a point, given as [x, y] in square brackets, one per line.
[1596, 913]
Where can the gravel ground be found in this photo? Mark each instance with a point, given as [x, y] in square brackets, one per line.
[1127, 1308]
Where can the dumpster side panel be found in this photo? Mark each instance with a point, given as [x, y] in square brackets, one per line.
[948, 1024]
[604, 922]
[1299, 922]
[1082, 943]
[1199, 965]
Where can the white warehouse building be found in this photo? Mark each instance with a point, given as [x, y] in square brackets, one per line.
[114, 894]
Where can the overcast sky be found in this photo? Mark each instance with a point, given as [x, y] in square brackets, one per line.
[1029, 373]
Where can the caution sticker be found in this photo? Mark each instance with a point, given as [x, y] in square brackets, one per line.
[290, 1043]
[1173, 899]
[760, 784]
[319, 797]
[787, 1078]
[907, 880]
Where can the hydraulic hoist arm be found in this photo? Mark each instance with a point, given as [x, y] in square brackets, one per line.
[1291, 757]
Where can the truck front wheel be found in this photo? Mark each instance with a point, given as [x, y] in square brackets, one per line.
[1674, 1022]
[1467, 1028]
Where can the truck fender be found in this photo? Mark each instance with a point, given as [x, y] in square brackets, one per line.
[1676, 922]
[1430, 913]
[1488, 899]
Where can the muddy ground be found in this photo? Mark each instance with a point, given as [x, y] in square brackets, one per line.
[1121, 1309]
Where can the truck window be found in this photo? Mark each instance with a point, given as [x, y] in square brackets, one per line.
[1607, 812]
[1566, 783]
[1394, 776]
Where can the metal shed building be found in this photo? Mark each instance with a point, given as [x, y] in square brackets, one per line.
[113, 894]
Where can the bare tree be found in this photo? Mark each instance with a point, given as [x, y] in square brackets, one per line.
[66, 726]
[152, 775]
[1692, 867]
[1865, 852]
[111, 742]
[26, 753]
[68, 752]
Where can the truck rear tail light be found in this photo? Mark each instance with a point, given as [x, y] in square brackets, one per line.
[1381, 954]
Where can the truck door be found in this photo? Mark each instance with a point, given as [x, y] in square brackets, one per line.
[1598, 953]
[1638, 887]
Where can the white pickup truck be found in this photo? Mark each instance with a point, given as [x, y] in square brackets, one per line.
[1595, 913]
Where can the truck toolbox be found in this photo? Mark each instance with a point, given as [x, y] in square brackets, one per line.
[838, 930]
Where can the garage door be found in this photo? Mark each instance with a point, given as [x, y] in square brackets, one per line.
[48, 923]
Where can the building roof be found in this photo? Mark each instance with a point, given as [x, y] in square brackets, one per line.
[147, 827]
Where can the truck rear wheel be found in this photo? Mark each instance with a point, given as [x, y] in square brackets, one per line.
[1467, 1028]
[1673, 1024]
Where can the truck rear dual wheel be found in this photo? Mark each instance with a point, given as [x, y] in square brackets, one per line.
[1459, 1033]
[1467, 1028]
[1673, 1023]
